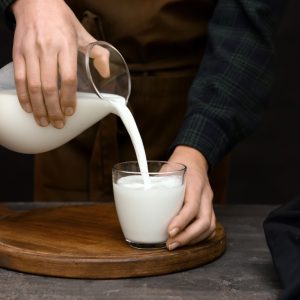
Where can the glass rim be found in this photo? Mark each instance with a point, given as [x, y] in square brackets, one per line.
[182, 168]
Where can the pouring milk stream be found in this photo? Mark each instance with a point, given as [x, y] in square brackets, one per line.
[19, 131]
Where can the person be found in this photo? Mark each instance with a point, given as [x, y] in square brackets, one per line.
[201, 74]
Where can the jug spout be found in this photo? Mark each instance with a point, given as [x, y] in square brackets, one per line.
[19, 131]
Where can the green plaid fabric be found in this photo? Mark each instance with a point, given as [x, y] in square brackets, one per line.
[232, 87]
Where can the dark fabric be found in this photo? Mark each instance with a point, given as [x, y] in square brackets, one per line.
[6, 13]
[4, 4]
[230, 93]
[282, 231]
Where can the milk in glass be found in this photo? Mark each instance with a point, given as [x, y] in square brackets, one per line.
[144, 213]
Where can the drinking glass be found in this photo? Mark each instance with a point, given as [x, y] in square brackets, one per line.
[145, 211]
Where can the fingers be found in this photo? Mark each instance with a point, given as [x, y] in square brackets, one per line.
[195, 222]
[199, 229]
[51, 101]
[36, 77]
[20, 80]
[42, 86]
[193, 232]
[45, 64]
[45, 59]
[45, 53]
[34, 86]
[68, 73]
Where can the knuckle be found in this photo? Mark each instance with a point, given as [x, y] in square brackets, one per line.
[19, 80]
[206, 225]
[69, 81]
[56, 116]
[34, 88]
[49, 90]
[23, 97]
[17, 50]
[43, 42]
[39, 113]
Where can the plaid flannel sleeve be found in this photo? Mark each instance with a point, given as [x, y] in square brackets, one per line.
[231, 90]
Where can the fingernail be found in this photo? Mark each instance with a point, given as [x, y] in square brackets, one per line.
[59, 124]
[27, 107]
[44, 122]
[69, 111]
[173, 231]
[173, 246]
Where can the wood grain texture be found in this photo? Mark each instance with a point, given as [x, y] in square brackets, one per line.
[85, 241]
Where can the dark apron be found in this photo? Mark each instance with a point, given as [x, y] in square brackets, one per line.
[162, 42]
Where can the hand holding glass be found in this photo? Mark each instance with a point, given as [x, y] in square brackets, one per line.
[145, 212]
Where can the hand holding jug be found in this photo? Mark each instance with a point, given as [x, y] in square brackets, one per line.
[95, 97]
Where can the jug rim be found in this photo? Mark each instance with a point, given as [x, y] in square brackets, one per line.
[88, 70]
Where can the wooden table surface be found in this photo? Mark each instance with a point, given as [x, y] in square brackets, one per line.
[244, 272]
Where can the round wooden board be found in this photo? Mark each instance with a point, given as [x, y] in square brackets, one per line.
[85, 241]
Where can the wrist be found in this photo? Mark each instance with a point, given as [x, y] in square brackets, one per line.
[191, 156]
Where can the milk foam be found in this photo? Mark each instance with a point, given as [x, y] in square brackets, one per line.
[137, 182]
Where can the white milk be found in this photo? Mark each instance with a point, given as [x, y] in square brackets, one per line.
[144, 214]
[19, 131]
[126, 116]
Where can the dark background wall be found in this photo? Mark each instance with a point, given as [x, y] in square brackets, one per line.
[264, 168]
[16, 169]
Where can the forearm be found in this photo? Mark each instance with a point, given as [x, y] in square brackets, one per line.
[231, 90]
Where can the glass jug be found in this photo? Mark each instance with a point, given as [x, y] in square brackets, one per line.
[96, 98]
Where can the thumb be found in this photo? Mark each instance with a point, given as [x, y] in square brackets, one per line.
[99, 54]
[101, 60]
